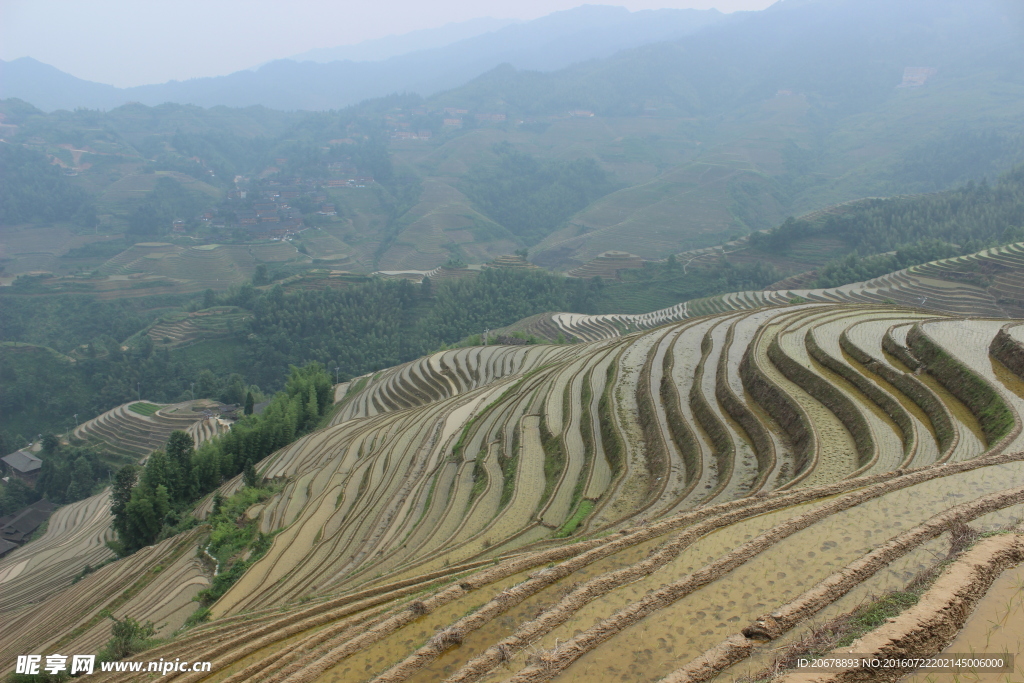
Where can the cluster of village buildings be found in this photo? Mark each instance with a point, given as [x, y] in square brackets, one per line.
[18, 528]
[266, 212]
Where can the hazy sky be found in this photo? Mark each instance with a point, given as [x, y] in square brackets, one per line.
[134, 42]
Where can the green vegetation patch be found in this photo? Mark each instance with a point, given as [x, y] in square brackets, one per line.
[575, 519]
[554, 460]
[984, 401]
[610, 439]
[532, 198]
[146, 409]
[234, 536]
[509, 463]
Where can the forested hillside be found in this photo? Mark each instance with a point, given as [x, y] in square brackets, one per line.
[360, 328]
[35, 190]
[665, 148]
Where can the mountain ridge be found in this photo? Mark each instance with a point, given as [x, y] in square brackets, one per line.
[551, 42]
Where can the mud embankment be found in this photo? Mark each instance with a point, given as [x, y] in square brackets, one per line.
[996, 417]
[547, 665]
[681, 433]
[872, 391]
[764, 448]
[1008, 351]
[914, 389]
[783, 409]
[841, 405]
[724, 449]
[897, 350]
[655, 448]
[775, 624]
[924, 629]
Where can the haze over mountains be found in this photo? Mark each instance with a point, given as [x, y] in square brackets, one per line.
[330, 79]
[396, 45]
[695, 141]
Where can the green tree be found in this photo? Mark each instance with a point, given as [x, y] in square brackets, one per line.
[127, 637]
[51, 445]
[249, 476]
[144, 517]
[180, 450]
[121, 492]
[261, 277]
[250, 403]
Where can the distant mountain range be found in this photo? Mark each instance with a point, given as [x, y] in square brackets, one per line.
[551, 42]
[395, 46]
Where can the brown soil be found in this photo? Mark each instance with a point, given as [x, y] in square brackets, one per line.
[924, 629]
[772, 626]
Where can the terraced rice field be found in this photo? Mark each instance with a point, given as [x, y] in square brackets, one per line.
[671, 504]
[989, 283]
[42, 571]
[157, 583]
[76, 536]
[179, 329]
[129, 433]
[190, 269]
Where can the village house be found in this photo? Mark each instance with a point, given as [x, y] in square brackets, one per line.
[22, 465]
[20, 527]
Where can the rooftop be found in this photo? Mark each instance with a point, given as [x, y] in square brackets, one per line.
[22, 461]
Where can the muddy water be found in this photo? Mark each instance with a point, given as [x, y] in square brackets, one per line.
[893, 577]
[972, 439]
[927, 443]
[887, 434]
[837, 454]
[995, 626]
[260, 655]
[658, 644]
[505, 625]
[697, 553]
[969, 341]
[375, 659]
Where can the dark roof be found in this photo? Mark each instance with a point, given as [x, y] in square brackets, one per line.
[258, 408]
[44, 505]
[6, 547]
[22, 461]
[26, 521]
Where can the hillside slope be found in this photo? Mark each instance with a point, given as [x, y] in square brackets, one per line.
[530, 513]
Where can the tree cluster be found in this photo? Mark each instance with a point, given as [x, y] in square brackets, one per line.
[70, 472]
[153, 503]
[33, 189]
